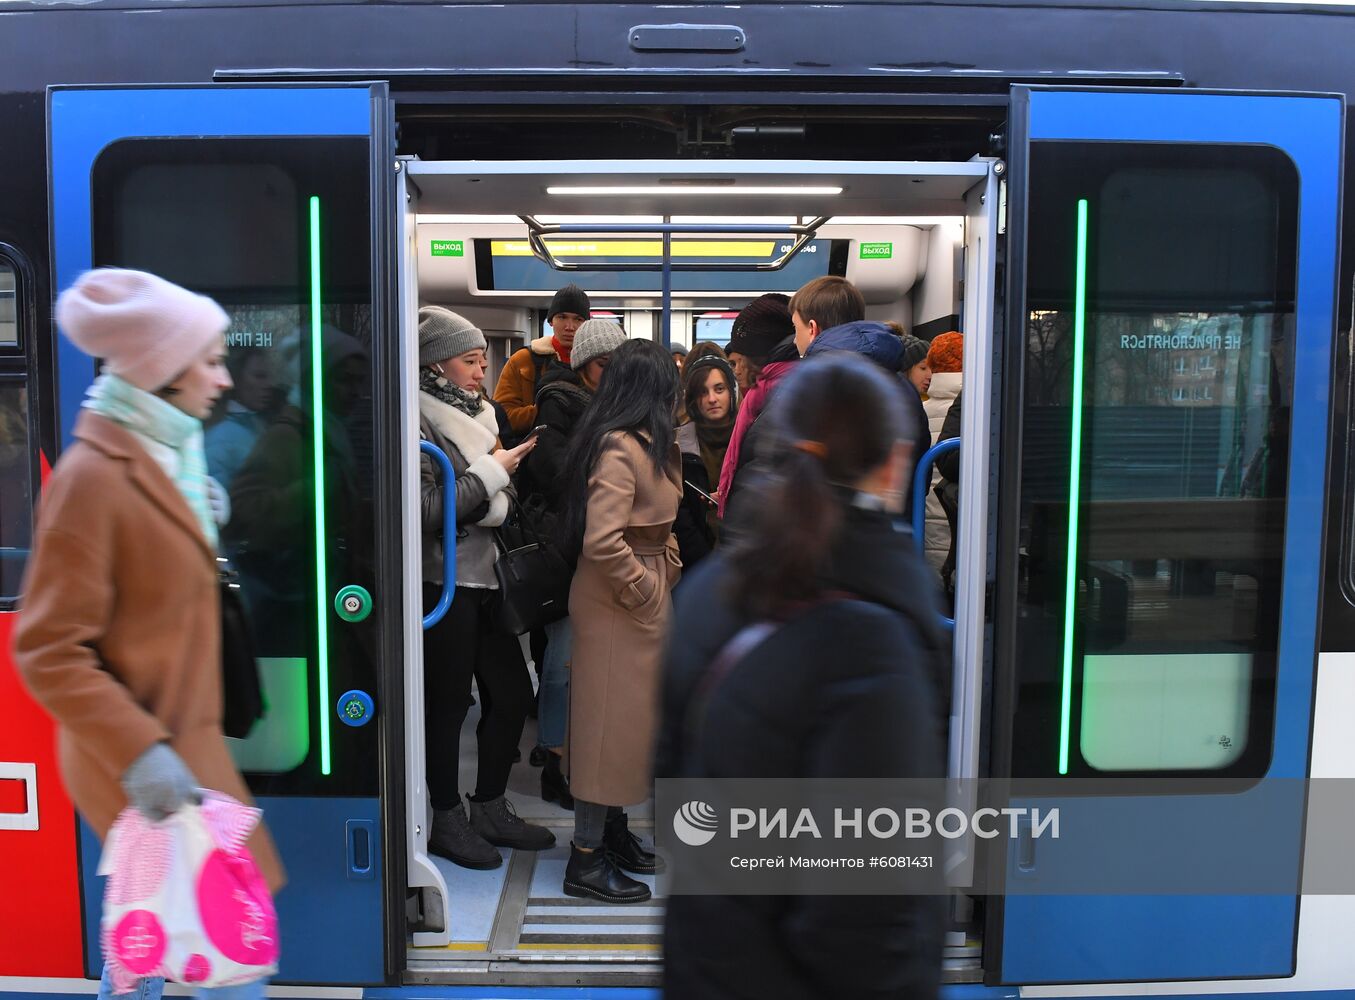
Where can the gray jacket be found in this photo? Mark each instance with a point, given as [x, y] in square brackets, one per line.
[482, 492]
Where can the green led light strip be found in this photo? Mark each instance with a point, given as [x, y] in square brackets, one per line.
[1074, 483]
[318, 451]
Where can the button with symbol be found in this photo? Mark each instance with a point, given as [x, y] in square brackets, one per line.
[355, 708]
[353, 603]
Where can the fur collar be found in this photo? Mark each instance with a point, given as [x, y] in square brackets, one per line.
[472, 436]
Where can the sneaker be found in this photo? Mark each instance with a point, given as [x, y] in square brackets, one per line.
[624, 849]
[498, 823]
[452, 838]
[593, 875]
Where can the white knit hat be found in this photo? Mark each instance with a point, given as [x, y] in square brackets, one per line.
[594, 339]
[147, 330]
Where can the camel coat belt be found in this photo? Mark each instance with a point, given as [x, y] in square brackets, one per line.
[120, 634]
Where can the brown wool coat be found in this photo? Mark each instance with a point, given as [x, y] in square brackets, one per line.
[620, 605]
[516, 391]
[120, 634]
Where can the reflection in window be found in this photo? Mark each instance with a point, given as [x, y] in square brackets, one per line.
[1182, 469]
[9, 315]
[16, 487]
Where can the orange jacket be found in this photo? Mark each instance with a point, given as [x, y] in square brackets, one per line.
[516, 391]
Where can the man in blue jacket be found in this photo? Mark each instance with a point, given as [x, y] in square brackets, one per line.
[829, 314]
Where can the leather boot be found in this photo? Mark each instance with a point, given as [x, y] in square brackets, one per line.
[452, 838]
[498, 822]
[593, 875]
[625, 849]
[554, 784]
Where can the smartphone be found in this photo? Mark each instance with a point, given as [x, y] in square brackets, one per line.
[533, 432]
[701, 493]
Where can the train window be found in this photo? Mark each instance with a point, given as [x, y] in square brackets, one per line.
[1160, 290]
[249, 221]
[16, 487]
[9, 312]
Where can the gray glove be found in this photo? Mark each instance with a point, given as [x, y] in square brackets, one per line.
[159, 783]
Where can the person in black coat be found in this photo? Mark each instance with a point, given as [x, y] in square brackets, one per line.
[851, 684]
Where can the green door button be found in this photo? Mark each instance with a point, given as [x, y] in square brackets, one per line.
[353, 603]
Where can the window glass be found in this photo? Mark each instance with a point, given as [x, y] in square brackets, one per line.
[244, 220]
[16, 486]
[1170, 477]
[9, 314]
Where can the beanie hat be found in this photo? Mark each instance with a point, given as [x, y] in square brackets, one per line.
[147, 330]
[594, 339]
[676, 348]
[570, 299]
[762, 324]
[947, 352]
[691, 379]
[444, 334]
[914, 351]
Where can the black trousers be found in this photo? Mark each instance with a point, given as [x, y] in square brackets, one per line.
[461, 646]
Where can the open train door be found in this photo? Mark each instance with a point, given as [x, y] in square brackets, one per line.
[276, 200]
[1172, 264]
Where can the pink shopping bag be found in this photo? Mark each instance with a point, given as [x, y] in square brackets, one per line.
[184, 898]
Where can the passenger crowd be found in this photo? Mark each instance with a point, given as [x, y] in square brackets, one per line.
[690, 494]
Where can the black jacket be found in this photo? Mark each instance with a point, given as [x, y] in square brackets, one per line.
[847, 689]
[560, 402]
[949, 464]
[692, 527]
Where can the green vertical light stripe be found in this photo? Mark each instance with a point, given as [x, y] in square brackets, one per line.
[318, 452]
[1074, 484]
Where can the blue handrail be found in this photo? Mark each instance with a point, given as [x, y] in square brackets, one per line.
[922, 480]
[440, 459]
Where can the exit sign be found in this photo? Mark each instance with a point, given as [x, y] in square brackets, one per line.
[449, 248]
[876, 251]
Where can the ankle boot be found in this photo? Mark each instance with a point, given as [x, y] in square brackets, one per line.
[592, 874]
[554, 784]
[498, 822]
[625, 849]
[452, 838]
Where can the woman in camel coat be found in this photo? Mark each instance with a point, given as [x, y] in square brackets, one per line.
[622, 503]
[120, 635]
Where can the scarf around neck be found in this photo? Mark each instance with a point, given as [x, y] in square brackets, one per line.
[561, 351]
[469, 403]
[146, 415]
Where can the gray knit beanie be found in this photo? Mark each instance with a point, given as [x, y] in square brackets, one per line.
[444, 334]
[914, 351]
[594, 339]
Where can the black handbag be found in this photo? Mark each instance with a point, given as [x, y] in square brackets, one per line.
[532, 571]
[242, 702]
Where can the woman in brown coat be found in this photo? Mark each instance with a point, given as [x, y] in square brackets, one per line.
[120, 636]
[623, 496]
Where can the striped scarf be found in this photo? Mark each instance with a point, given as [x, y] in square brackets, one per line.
[148, 416]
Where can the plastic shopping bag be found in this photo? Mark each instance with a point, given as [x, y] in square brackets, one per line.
[184, 898]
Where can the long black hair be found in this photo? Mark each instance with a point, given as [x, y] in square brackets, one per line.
[637, 396]
[832, 421]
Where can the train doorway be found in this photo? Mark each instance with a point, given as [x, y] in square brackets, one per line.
[493, 241]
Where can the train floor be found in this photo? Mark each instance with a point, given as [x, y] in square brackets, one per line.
[515, 924]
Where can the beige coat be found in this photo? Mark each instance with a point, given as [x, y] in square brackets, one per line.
[620, 606]
[120, 634]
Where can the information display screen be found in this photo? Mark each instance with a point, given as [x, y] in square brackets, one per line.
[508, 265]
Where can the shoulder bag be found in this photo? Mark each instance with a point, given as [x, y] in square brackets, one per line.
[533, 574]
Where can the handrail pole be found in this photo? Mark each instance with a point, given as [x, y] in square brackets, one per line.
[444, 464]
[922, 478]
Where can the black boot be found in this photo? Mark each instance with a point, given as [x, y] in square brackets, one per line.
[593, 874]
[453, 838]
[624, 848]
[554, 785]
[498, 822]
[537, 758]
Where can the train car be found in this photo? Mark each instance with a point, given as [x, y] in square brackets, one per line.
[1135, 205]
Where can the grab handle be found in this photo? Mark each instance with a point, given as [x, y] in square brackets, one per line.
[922, 478]
[444, 465]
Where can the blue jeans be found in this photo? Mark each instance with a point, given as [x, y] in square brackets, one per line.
[153, 988]
[553, 711]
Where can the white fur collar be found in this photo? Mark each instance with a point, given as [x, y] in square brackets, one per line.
[472, 436]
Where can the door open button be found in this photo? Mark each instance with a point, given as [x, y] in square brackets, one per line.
[18, 796]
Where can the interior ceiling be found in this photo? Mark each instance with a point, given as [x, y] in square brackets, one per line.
[519, 188]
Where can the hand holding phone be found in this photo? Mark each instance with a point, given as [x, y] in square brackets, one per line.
[701, 493]
[531, 434]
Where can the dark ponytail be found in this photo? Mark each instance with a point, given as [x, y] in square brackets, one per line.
[833, 421]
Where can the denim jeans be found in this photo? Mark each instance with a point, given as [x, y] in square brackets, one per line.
[153, 988]
[553, 711]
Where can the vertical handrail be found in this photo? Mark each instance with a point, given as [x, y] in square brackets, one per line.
[444, 464]
[922, 478]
